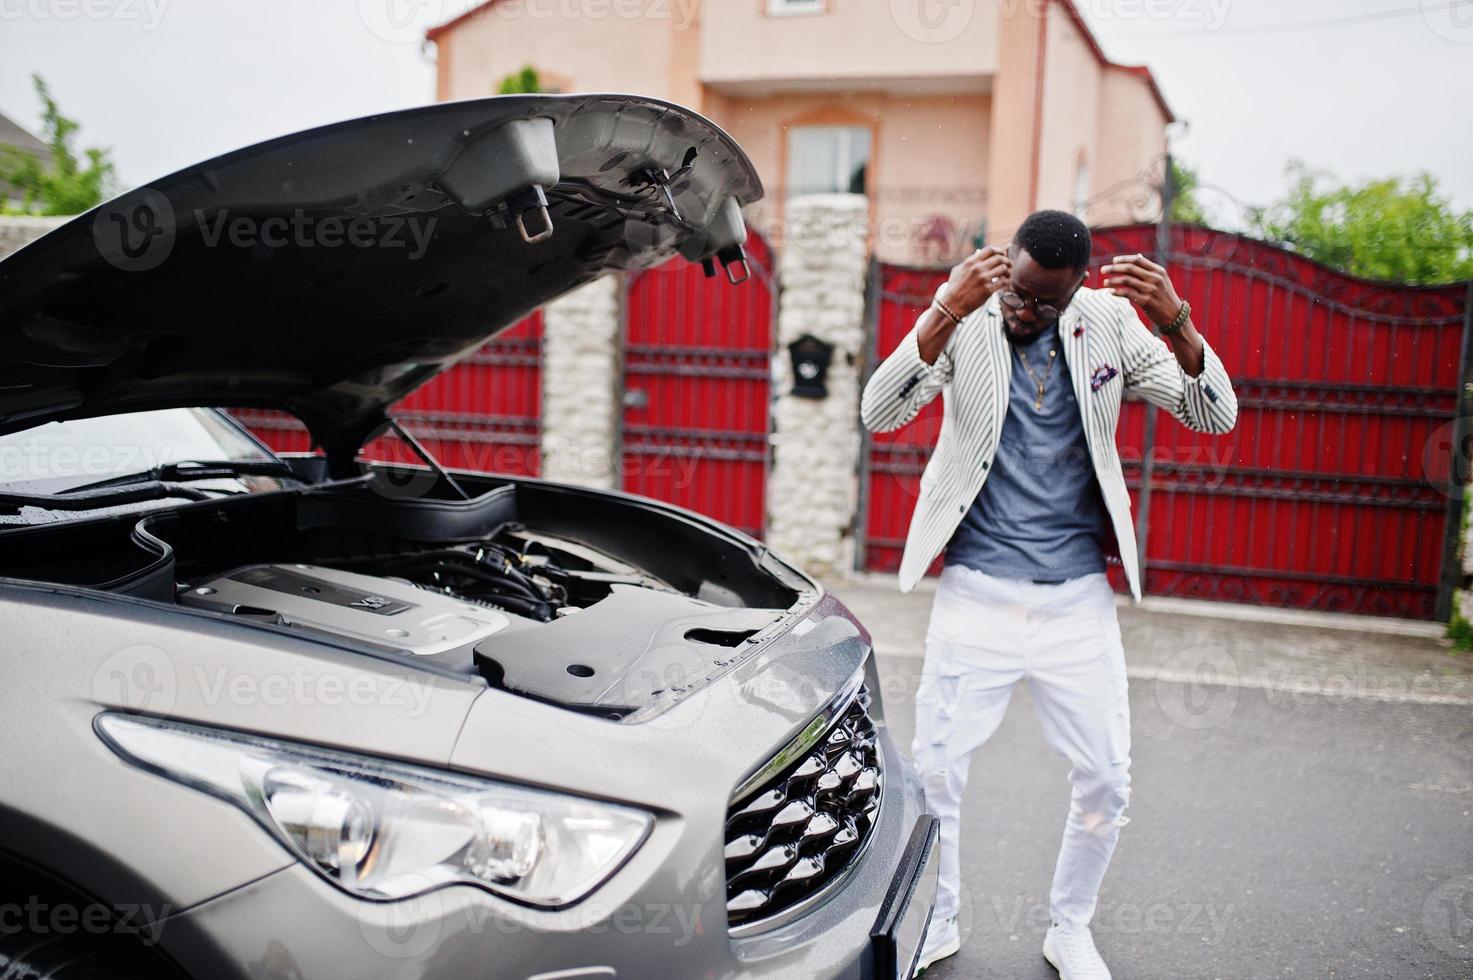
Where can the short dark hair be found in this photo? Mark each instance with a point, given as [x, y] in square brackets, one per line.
[1055, 240]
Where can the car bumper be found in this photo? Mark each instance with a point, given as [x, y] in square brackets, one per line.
[294, 924]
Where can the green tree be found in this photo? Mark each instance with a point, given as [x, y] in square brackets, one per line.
[1396, 228]
[66, 185]
[524, 81]
[1184, 204]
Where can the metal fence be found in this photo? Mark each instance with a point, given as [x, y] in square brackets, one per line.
[1336, 491]
[482, 414]
[1340, 489]
[697, 387]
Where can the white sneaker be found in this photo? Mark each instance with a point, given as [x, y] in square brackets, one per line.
[943, 939]
[1072, 952]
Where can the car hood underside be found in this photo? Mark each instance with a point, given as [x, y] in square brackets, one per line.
[331, 272]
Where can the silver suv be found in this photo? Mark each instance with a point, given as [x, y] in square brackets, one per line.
[306, 716]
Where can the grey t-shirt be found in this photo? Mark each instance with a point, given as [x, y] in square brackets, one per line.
[1039, 514]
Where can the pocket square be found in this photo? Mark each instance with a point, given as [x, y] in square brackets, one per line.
[1101, 377]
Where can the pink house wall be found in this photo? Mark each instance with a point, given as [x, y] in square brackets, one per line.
[1133, 148]
[969, 113]
[592, 54]
[864, 41]
[1103, 115]
[1071, 102]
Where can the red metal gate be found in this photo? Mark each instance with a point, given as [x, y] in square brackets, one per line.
[697, 379]
[1332, 491]
[893, 461]
[483, 414]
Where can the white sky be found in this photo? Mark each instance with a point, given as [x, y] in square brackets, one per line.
[166, 83]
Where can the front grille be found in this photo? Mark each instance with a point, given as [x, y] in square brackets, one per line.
[799, 831]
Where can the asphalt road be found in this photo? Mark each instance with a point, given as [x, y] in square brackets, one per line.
[1272, 834]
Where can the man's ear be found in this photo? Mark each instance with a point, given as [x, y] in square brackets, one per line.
[1078, 284]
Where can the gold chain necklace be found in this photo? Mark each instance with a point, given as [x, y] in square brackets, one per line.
[1041, 383]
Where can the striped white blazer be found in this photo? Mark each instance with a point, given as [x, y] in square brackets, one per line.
[1107, 349]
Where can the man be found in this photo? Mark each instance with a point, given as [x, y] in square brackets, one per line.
[1025, 494]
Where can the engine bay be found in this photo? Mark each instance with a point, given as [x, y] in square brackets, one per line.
[592, 601]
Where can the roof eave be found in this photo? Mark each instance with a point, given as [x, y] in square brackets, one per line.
[1140, 71]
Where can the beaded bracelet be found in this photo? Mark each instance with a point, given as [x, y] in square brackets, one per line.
[1182, 316]
[948, 312]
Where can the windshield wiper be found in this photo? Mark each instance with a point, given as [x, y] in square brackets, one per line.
[158, 483]
[103, 496]
[194, 469]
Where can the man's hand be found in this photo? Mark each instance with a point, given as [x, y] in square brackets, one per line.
[972, 283]
[1145, 284]
[976, 278]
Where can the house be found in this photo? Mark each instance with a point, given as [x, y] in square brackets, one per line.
[953, 117]
[13, 137]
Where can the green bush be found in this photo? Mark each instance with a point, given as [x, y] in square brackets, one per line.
[1398, 228]
[66, 185]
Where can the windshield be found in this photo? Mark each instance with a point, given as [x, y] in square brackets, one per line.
[56, 456]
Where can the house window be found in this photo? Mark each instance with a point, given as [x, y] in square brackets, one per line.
[828, 159]
[784, 8]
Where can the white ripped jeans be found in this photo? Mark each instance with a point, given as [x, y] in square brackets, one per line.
[986, 634]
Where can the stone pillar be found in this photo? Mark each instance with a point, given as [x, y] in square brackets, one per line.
[813, 490]
[580, 373]
[16, 231]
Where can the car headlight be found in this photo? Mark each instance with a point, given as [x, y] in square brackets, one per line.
[381, 830]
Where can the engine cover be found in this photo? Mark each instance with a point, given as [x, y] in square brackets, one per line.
[380, 611]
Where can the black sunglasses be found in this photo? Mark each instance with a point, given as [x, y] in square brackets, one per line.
[1015, 302]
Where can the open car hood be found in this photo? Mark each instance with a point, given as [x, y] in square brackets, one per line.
[330, 272]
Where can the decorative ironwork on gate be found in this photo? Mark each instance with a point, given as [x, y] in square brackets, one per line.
[697, 380]
[1334, 492]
